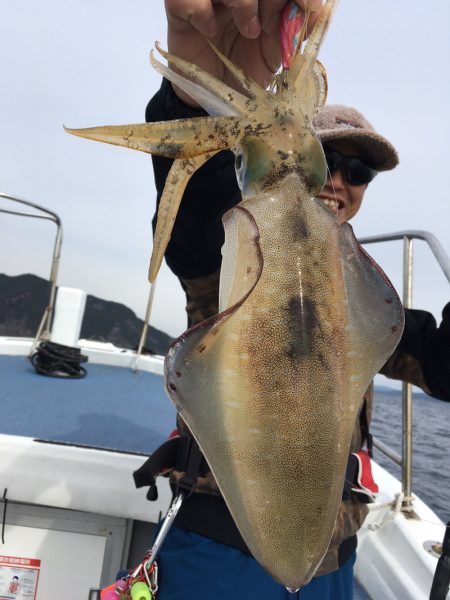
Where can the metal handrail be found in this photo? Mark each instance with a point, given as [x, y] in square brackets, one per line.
[432, 241]
[405, 461]
[43, 331]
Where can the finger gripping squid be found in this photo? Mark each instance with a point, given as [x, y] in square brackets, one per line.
[271, 386]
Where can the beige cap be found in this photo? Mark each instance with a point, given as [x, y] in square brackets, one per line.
[338, 122]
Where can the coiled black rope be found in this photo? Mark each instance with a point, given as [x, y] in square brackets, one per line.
[56, 360]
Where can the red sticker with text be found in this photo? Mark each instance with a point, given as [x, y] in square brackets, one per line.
[18, 577]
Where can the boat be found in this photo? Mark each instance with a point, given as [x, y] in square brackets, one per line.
[72, 517]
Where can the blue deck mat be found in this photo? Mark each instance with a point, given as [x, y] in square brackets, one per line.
[111, 408]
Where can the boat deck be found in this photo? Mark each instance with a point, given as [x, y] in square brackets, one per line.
[112, 408]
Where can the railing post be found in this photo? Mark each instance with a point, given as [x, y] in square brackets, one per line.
[146, 325]
[53, 278]
[44, 329]
[407, 387]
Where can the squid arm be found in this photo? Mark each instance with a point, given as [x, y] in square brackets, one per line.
[311, 91]
[177, 179]
[253, 89]
[191, 142]
[183, 138]
[213, 95]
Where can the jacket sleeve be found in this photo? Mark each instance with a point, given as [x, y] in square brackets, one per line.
[197, 237]
[423, 355]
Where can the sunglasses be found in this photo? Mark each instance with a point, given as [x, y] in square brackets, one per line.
[355, 171]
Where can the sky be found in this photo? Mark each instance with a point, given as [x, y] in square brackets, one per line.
[86, 62]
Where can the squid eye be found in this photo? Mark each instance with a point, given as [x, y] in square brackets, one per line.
[251, 164]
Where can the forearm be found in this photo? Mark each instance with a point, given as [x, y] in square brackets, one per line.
[423, 355]
[197, 236]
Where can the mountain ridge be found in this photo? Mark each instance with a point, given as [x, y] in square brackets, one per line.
[23, 299]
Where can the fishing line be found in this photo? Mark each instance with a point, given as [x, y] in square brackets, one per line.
[328, 173]
[332, 185]
[334, 190]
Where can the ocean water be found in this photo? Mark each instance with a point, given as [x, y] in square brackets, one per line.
[431, 447]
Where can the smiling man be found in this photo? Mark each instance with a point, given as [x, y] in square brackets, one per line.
[355, 153]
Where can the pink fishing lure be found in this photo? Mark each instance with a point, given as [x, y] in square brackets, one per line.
[292, 19]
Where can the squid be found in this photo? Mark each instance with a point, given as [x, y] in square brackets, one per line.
[271, 386]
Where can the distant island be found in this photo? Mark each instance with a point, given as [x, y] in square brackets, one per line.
[23, 299]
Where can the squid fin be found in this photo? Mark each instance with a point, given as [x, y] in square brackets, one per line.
[376, 316]
[193, 363]
[241, 257]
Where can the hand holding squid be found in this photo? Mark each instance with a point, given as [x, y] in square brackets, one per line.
[245, 31]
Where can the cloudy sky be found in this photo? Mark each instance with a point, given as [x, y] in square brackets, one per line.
[85, 62]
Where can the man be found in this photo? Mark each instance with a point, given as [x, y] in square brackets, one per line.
[204, 553]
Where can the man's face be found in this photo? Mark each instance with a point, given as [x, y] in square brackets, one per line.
[338, 193]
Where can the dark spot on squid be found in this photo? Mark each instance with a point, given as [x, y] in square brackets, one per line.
[283, 155]
[201, 348]
[171, 150]
[249, 270]
[178, 374]
[172, 387]
[300, 229]
[277, 173]
[394, 329]
[235, 129]
[388, 300]
[321, 358]
[302, 322]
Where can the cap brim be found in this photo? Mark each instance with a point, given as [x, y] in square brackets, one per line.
[377, 151]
